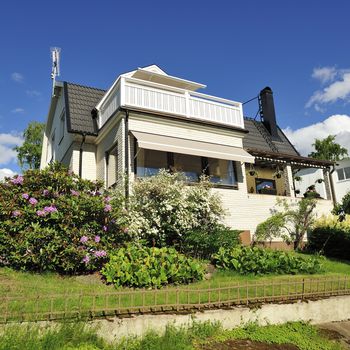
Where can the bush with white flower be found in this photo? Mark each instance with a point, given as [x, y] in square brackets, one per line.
[53, 220]
[163, 208]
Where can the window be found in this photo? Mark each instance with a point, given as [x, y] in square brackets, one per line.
[265, 186]
[343, 173]
[112, 166]
[340, 174]
[149, 162]
[62, 120]
[191, 166]
[221, 172]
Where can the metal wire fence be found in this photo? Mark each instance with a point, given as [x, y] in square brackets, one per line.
[82, 305]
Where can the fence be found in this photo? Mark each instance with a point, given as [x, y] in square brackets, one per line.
[38, 307]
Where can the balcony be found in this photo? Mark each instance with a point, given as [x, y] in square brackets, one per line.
[154, 97]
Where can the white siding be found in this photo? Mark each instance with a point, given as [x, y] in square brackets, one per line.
[309, 177]
[342, 187]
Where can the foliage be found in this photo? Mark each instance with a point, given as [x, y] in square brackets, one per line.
[53, 220]
[328, 149]
[29, 153]
[254, 260]
[330, 237]
[138, 266]
[291, 224]
[163, 208]
[202, 244]
[344, 205]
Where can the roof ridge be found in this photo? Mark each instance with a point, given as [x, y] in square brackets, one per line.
[84, 86]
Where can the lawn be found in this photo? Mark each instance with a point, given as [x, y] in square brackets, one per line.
[27, 296]
[199, 336]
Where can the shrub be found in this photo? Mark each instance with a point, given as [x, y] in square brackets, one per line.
[163, 208]
[53, 220]
[202, 243]
[138, 266]
[330, 237]
[254, 260]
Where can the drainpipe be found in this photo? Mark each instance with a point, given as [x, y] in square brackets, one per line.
[126, 143]
[81, 154]
[332, 184]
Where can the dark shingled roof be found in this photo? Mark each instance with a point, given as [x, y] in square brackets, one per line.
[260, 139]
[80, 101]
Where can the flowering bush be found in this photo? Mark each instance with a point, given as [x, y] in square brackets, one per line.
[138, 266]
[163, 208]
[53, 220]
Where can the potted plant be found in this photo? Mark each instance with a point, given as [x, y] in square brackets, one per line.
[319, 181]
[298, 178]
[296, 191]
[278, 173]
[252, 171]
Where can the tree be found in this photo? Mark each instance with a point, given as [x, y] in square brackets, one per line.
[29, 154]
[328, 149]
[291, 224]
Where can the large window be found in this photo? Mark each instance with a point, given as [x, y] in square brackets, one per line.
[221, 172]
[112, 166]
[343, 173]
[265, 186]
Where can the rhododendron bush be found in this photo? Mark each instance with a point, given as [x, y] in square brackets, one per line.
[53, 220]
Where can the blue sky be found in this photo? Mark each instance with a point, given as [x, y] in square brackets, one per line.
[298, 48]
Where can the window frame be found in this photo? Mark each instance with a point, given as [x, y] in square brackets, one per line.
[108, 153]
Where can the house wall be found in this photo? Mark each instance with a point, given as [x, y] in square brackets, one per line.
[341, 187]
[309, 177]
[114, 135]
[61, 146]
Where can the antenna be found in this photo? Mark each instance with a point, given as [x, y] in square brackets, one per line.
[55, 72]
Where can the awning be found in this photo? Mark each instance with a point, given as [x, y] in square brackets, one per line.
[195, 148]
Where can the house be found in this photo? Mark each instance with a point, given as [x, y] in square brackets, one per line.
[341, 179]
[148, 120]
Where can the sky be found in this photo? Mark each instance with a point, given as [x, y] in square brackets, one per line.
[298, 48]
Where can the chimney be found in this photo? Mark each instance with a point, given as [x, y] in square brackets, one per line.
[267, 112]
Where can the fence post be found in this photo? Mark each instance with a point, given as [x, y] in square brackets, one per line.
[303, 289]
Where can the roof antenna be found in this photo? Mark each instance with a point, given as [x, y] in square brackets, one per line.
[55, 72]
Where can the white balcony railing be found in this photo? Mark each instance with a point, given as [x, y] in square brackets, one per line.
[149, 96]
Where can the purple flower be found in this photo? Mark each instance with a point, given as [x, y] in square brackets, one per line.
[46, 192]
[105, 228]
[74, 193]
[86, 259]
[33, 201]
[100, 253]
[17, 180]
[25, 195]
[16, 213]
[108, 208]
[107, 199]
[98, 193]
[50, 209]
[84, 239]
[41, 213]
[97, 239]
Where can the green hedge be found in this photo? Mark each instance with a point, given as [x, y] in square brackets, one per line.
[254, 260]
[330, 241]
[138, 266]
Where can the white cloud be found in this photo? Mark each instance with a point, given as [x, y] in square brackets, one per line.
[5, 172]
[7, 142]
[337, 89]
[17, 110]
[324, 74]
[33, 93]
[303, 138]
[17, 77]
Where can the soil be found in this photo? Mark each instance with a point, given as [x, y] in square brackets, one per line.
[247, 345]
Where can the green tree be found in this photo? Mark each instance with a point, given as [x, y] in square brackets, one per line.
[328, 149]
[29, 154]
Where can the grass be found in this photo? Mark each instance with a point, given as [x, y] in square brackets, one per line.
[29, 296]
[205, 335]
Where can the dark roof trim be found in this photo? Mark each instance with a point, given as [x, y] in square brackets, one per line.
[288, 140]
[288, 157]
[68, 116]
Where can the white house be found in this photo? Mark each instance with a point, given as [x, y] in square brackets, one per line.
[341, 179]
[148, 120]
